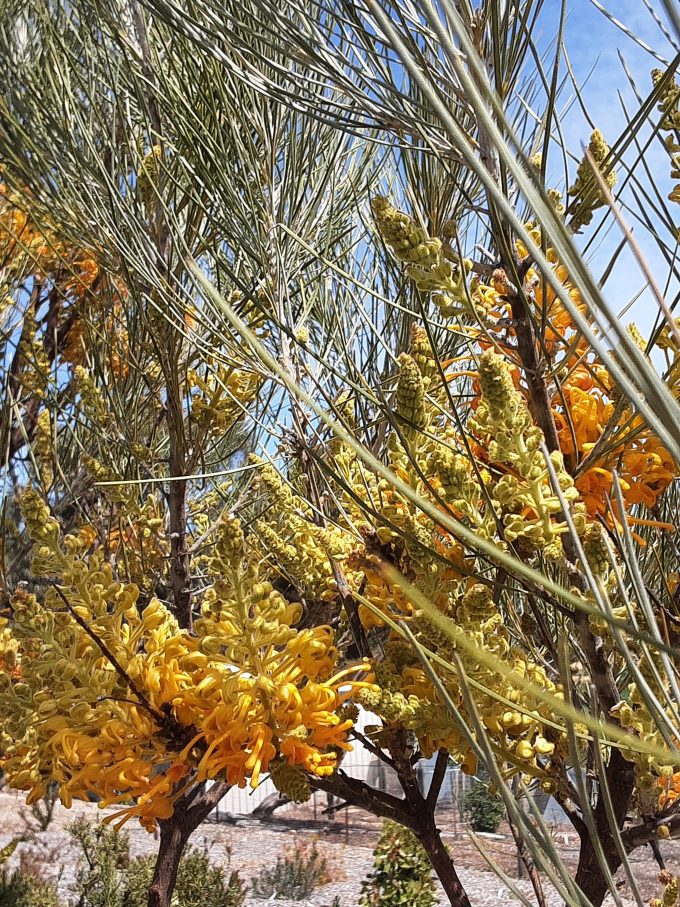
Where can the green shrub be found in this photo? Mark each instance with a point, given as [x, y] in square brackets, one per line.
[107, 877]
[20, 889]
[402, 874]
[199, 883]
[483, 810]
[104, 859]
[294, 876]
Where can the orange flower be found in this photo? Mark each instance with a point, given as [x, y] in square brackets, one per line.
[671, 790]
[648, 468]
[645, 467]
[589, 413]
[594, 485]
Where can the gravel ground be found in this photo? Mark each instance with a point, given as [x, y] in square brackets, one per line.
[246, 847]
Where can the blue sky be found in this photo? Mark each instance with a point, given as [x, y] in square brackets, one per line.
[593, 41]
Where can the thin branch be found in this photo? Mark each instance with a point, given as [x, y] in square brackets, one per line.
[438, 775]
[648, 830]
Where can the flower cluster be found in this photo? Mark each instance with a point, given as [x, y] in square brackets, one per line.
[43, 448]
[109, 697]
[514, 716]
[219, 397]
[670, 789]
[29, 246]
[296, 546]
[92, 402]
[670, 896]
[33, 362]
[584, 399]
[427, 454]
[529, 507]
[669, 106]
[586, 194]
[426, 263]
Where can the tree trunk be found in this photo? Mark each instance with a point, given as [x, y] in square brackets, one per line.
[414, 812]
[190, 811]
[174, 837]
[442, 864]
[589, 876]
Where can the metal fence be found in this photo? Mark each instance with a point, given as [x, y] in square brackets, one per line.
[358, 763]
[242, 801]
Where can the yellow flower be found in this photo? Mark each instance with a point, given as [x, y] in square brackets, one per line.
[244, 689]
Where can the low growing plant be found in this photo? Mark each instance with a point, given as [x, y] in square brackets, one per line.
[200, 883]
[484, 810]
[294, 876]
[22, 889]
[107, 877]
[103, 862]
[402, 874]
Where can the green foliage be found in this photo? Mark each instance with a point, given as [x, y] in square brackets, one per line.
[402, 874]
[20, 889]
[294, 876]
[199, 883]
[105, 857]
[107, 877]
[483, 810]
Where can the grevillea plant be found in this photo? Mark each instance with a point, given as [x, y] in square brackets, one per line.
[450, 668]
[276, 450]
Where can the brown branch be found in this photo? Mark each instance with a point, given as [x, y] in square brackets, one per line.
[209, 799]
[180, 569]
[572, 813]
[401, 752]
[619, 774]
[437, 779]
[648, 830]
[426, 825]
[658, 856]
[411, 812]
[336, 808]
[360, 794]
[534, 369]
[372, 748]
